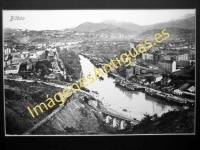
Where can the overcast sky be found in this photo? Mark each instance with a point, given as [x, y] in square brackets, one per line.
[61, 19]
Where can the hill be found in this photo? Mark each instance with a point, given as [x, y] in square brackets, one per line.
[187, 23]
[76, 116]
[175, 33]
[170, 122]
[93, 27]
[114, 31]
[39, 40]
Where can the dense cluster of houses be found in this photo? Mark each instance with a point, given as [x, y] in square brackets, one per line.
[167, 60]
[13, 55]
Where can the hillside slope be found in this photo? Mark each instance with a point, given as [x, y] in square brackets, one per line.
[186, 23]
[175, 33]
[76, 117]
[93, 27]
[171, 122]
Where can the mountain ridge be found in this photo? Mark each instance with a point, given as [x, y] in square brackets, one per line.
[187, 21]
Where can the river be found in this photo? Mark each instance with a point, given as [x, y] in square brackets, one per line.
[136, 103]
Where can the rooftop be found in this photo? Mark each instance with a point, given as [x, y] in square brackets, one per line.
[191, 89]
[183, 86]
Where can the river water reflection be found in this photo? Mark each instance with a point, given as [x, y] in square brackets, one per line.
[116, 97]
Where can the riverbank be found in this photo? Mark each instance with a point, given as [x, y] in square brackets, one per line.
[96, 61]
[133, 85]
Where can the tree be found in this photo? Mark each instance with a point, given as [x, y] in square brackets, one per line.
[155, 117]
[146, 119]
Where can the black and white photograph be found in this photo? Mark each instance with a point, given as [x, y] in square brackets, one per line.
[99, 72]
